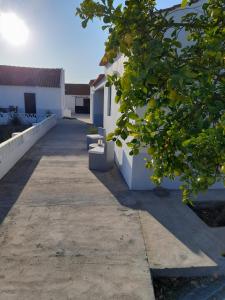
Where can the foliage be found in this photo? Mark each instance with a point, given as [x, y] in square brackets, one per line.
[92, 130]
[6, 131]
[180, 88]
[48, 113]
[15, 120]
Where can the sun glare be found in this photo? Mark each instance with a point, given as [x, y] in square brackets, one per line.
[13, 29]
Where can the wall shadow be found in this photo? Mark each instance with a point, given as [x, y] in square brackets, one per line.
[13, 183]
[171, 213]
[64, 140]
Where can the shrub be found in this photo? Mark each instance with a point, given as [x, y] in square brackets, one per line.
[15, 121]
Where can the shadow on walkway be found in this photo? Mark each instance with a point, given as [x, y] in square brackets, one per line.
[178, 243]
[54, 143]
[13, 183]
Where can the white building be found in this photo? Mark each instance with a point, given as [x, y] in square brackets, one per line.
[104, 108]
[32, 90]
[97, 100]
[77, 98]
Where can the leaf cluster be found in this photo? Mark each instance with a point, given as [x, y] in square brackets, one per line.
[179, 86]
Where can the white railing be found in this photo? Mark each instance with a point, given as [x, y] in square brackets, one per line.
[13, 149]
[26, 119]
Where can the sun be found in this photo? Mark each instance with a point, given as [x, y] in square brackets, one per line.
[13, 29]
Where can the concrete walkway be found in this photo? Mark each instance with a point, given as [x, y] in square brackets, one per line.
[64, 233]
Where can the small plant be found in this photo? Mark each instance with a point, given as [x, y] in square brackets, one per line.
[48, 113]
[92, 130]
[15, 120]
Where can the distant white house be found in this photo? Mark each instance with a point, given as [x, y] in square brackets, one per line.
[77, 98]
[104, 112]
[32, 90]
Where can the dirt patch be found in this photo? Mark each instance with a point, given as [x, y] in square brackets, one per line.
[213, 214]
[7, 130]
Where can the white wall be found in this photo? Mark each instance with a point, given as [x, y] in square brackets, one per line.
[122, 157]
[72, 100]
[92, 92]
[97, 103]
[70, 103]
[179, 13]
[46, 98]
[13, 149]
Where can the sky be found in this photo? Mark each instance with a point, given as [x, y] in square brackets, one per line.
[57, 39]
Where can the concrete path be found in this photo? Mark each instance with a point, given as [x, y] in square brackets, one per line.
[64, 233]
[179, 243]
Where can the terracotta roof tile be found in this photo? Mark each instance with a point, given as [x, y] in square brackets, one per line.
[98, 80]
[77, 89]
[25, 76]
[91, 82]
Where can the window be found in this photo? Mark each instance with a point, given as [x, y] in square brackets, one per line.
[109, 100]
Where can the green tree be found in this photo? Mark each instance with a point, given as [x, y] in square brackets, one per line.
[181, 88]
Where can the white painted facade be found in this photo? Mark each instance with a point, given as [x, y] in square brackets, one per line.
[48, 99]
[97, 103]
[71, 101]
[132, 168]
[13, 149]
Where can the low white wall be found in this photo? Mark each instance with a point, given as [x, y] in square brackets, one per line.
[6, 118]
[15, 148]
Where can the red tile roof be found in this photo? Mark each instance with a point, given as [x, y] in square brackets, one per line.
[77, 89]
[98, 80]
[104, 61]
[91, 82]
[24, 76]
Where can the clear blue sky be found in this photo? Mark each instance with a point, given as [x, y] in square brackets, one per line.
[57, 39]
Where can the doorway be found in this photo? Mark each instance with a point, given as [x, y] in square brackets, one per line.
[82, 106]
[87, 106]
[30, 103]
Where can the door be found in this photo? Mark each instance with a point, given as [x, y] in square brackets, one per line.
[30, 103]
[87, 106]
[82, 106]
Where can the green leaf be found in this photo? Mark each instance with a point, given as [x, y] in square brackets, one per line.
[133, 116]
[179, 89]
[110, 136]
[119, 143]
[184, 3]
[84, 23]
